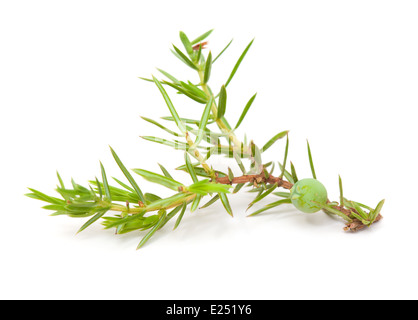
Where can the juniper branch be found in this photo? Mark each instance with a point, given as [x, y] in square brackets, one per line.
[134, 210]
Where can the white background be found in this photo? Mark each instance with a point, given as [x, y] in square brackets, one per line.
[342, 74]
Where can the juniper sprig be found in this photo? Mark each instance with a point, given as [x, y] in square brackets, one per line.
[129, 209]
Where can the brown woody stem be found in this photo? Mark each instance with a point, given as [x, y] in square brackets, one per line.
[256, 179]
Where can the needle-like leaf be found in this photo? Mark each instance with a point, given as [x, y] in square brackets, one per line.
[204, 187]
[169, 202]
[41, 196]
[174, 144]
[186, 43]
[171, 215]
[186, 91]
[238, 63]
[287, 174]
[282, 194]
[261, 196]
[96, 217]
[60, 181]
[237, 157]
[150, 197]
[128, 176]
[337, 212]
[200, 171]
[170, 106]
[152, 231]
[157, 178]
[349, 204]
[203, 122]
[211, 201]
[376, 211]
[183, 58]
[199, 57]
[293, 171]
[111, 222]
[161, 126]
[193, 89]
[340, 183]
[256, 161]
[165, 172]
[201, 37]
[222, 103]
[208, 67]
[360, 211]
[285, 156]
[99, 188]
[124, 185]
[278, 136]
[227, 125]
[359, 217]
[196, 202]
[190, 168]
[230, 174]
[105, 184]
[238, 187]
[185, 120]
[311, 161]
[220, 53]
[270, 206]
[183, 209]
[169, 76]
[225, 202]
[244, 112]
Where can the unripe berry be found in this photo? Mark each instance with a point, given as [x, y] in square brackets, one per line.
[308, 195]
